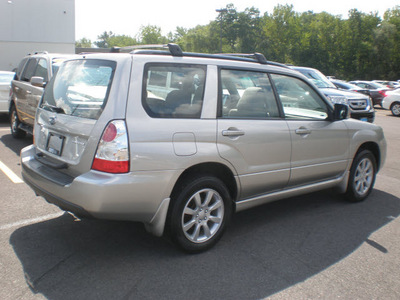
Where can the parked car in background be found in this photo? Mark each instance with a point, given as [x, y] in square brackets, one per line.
[376, 90]
[392, 102]
[388, 84]
[32, 75]
[214, 133]
[5, 85]
[344, 85]
[361, 107]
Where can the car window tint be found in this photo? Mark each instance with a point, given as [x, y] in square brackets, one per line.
[21, 67]
[173, 91]
[298, 99]
[29, 69]
[247, 95]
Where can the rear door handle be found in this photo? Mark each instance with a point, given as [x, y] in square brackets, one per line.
[232, 132]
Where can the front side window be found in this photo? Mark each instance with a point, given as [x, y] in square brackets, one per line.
[80, 88]
[247, 95]
[298, 99]
[173, 91]
[41, 70]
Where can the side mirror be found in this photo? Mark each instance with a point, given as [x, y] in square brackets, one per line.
[341, 112]
[37, 81]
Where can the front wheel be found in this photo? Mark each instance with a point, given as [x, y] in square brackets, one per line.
[362, 176]
[395, 108]
[14, 124]
[199, 214]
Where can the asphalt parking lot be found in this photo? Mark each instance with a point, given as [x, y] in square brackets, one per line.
[311, 247]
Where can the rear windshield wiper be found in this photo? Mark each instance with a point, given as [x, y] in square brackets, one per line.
[53, 108]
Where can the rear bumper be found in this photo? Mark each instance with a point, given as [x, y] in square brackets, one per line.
[131, 196]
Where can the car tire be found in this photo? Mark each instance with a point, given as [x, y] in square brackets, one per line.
[14, 124]
[395, 108]
[362, 176]
[199, 214]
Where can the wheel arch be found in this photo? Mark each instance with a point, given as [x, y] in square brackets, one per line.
[374, 148]
[218, 170]
[396, 102]
[393, 103]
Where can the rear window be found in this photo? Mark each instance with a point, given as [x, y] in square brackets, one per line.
[80, 88]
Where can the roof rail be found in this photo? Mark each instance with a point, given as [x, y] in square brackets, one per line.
[259, 57]
[38, 52]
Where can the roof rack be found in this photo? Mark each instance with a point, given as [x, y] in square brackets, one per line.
[175, 50]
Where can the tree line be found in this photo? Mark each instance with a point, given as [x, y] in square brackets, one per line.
[363, 46]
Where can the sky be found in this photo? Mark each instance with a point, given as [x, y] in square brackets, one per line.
[126, 17]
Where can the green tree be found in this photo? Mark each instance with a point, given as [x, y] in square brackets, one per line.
[151, 35]
[83, 43]
[121, 41]
[104, 39]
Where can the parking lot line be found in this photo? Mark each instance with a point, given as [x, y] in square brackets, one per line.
[10, 174]
[32, 221]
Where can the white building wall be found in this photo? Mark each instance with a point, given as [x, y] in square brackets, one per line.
[28, 26]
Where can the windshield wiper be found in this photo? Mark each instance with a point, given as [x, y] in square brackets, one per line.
[54, 108]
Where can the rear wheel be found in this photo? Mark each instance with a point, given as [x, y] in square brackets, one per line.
[395, 108]
[362, 176]
[14, 124]
[199, 214]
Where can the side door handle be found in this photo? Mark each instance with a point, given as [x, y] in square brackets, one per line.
[303, 131]
[232, 132]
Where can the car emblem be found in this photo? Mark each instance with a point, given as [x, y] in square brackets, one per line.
[52, 120]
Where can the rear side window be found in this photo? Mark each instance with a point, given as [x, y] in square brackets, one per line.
[80, 88]
[29, 70]
[21, 67]
[173, 90]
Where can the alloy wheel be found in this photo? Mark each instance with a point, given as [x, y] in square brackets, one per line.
[203, 215]
[363, 176]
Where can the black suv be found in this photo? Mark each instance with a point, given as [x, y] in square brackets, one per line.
[32, 74]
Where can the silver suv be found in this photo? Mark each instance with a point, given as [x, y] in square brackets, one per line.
[361, 106]
[180, 141]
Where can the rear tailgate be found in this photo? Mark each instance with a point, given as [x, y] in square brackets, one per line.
[73, 114]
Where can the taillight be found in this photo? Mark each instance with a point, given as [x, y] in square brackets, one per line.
[112, 155]
[383, 93]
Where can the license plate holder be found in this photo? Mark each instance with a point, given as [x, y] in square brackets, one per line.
[55, 143]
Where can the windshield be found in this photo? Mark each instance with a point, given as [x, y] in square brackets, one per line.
[80, 88]
[56, 63]
[317, 78]
[346, 85]
[376, 85]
